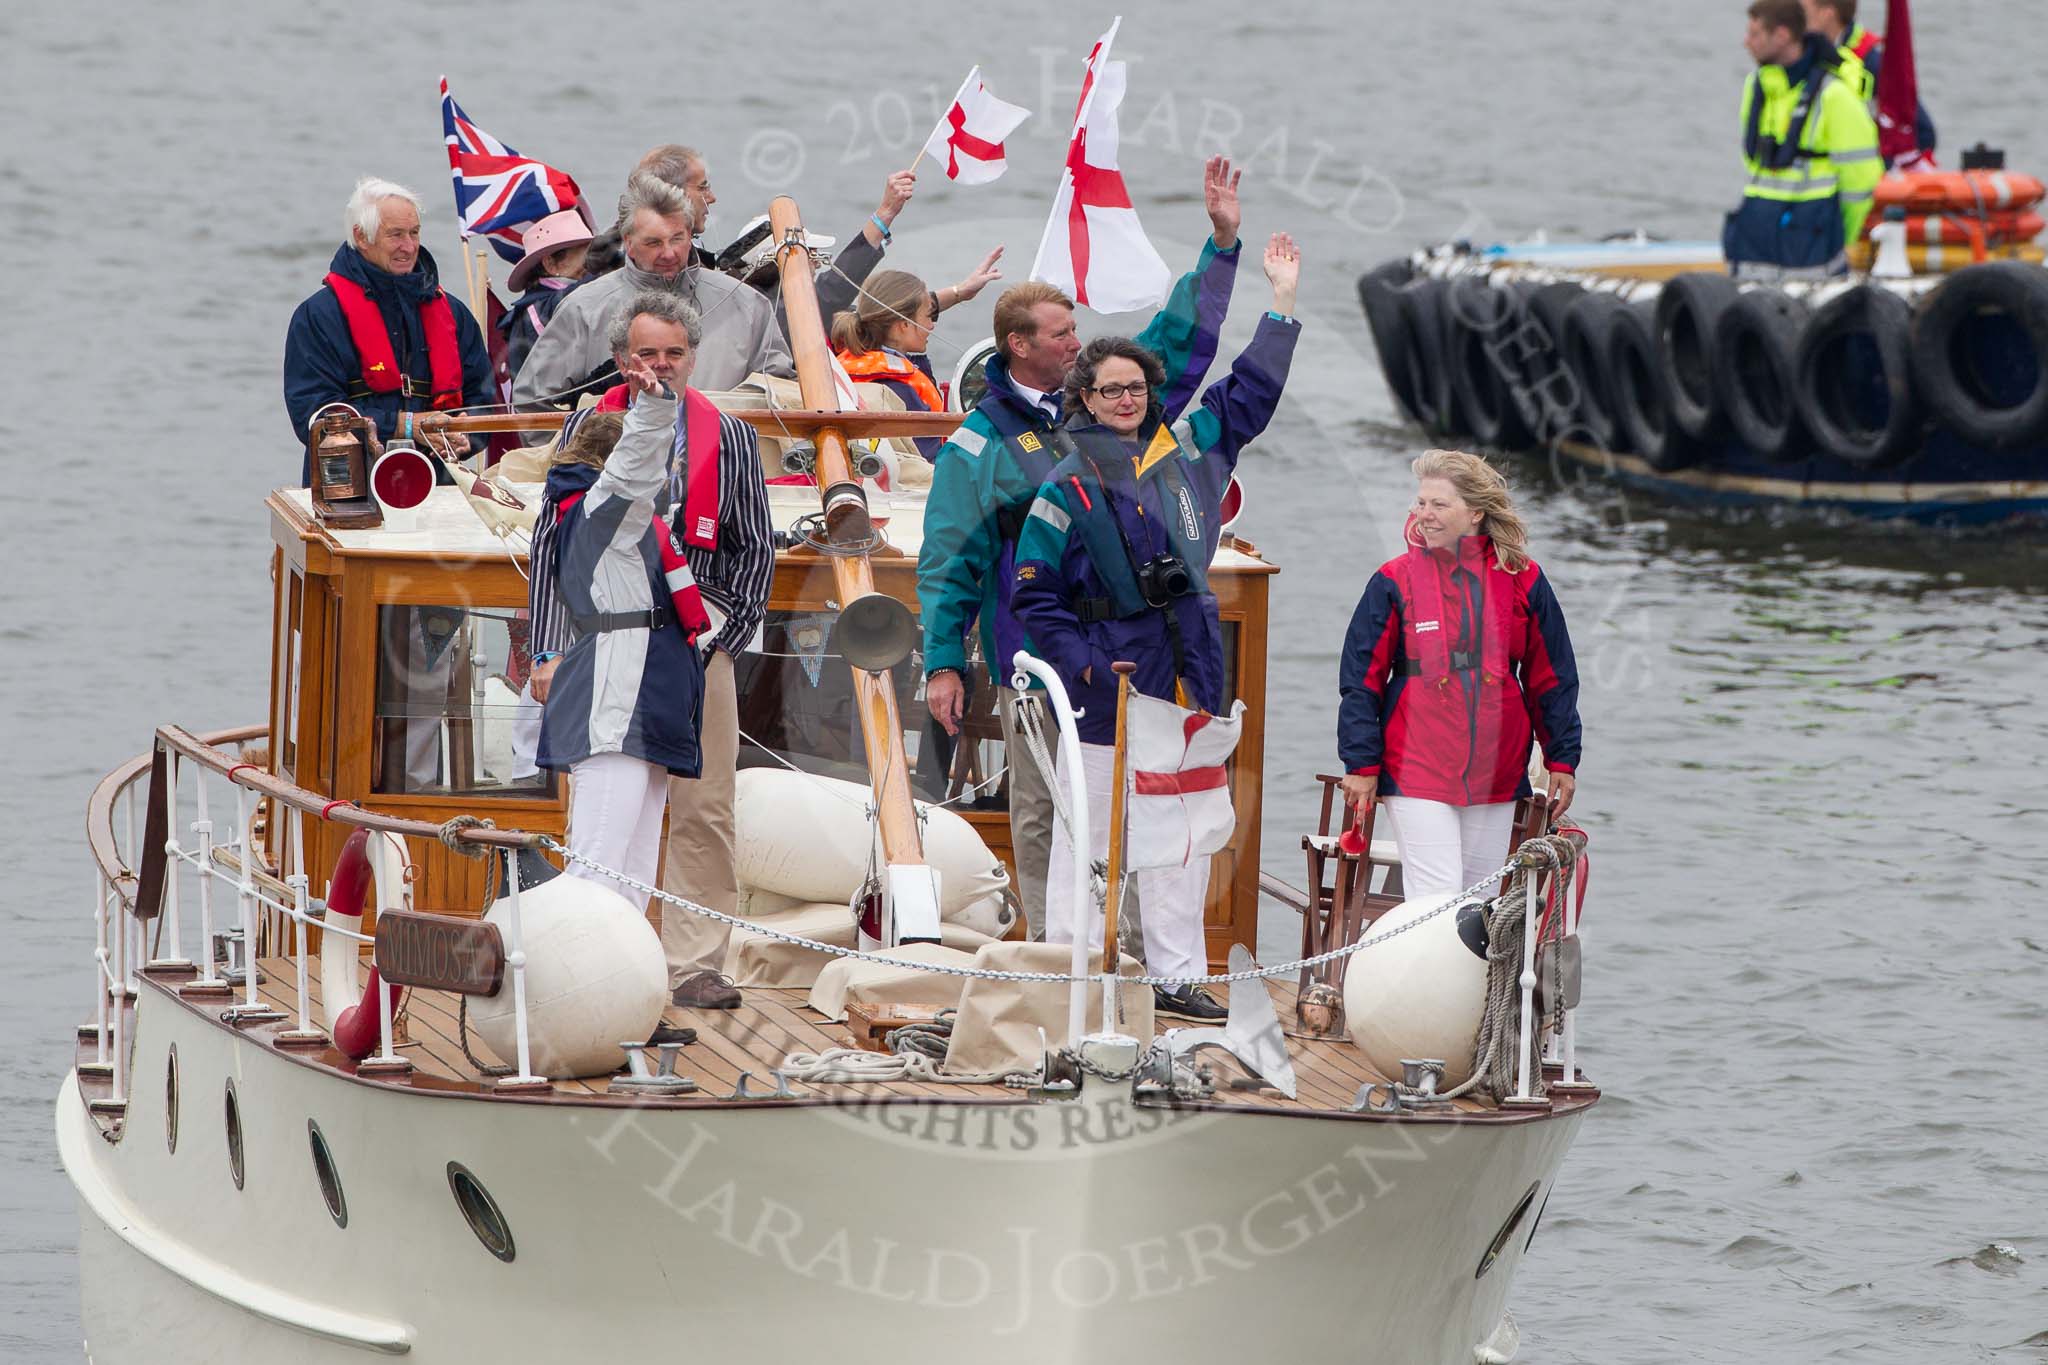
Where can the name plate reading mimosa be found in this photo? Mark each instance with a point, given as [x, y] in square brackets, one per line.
[440, 953]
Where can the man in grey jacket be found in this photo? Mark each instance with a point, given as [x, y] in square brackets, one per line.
[658, 225]
[741, 336]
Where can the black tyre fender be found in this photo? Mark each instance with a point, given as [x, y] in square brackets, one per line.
[1379, 296]
[1688, 309]
[1756, 361]
[1588, 326]
[1422, 310]
[1980, 354]
[1641, 397]
[1555, 391]
[1854, 382]
[1479, 322]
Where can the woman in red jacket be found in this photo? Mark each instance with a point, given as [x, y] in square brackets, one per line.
[1456, 661]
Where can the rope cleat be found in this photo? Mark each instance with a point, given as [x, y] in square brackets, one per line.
[640, 1079]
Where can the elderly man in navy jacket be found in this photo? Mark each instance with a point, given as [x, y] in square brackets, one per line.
[380, 334]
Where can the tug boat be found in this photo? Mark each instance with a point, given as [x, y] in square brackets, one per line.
[1921, 396]
[313, 1119]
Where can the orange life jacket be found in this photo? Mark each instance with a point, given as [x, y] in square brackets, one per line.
[883, 365]
[379, 362]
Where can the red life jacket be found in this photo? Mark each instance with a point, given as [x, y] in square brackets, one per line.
[700, 495]
[675, 573]
[1460, 730]
[882, 365]
[380, 363]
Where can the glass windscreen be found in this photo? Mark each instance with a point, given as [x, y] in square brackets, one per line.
[453, 715]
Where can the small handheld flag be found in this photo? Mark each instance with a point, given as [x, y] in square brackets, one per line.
[969, 137]
[1094, 246]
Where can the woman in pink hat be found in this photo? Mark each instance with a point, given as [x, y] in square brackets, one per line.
[552, 266]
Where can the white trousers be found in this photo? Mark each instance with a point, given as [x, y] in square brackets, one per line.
[1173, 896]
[615, 807]
[1447, 848]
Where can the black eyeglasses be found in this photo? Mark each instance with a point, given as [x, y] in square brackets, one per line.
[1115, 391]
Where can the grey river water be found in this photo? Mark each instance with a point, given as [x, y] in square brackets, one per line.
[1814, 754]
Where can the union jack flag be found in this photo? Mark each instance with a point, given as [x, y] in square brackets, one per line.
[498, 192]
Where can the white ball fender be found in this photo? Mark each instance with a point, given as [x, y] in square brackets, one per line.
[809, 838]
[1419, 993]
[595, 977]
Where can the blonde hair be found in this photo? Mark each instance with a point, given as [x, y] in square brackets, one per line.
[888, 297]
[591, 440]
[1483, 490]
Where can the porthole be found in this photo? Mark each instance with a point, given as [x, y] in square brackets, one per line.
[481, 1211]
[330, 1181]
[171, 1099]
[1507, 1231]
[234, 1120]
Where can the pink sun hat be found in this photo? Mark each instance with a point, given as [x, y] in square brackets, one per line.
[550, 234]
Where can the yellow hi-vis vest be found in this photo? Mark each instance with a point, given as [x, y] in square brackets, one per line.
[1810, 142]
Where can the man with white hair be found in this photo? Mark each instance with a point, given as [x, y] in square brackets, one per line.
[380, 334]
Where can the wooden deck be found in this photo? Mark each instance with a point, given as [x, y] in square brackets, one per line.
[753, 1041]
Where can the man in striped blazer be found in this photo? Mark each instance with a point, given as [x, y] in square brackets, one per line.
[716, 502]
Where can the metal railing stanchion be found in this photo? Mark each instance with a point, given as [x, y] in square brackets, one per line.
[515, 958]
[173, 933]
[1523, 1036]
[101, 977]
[202, 829]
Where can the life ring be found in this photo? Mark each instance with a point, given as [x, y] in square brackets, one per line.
[1999, 227]
[1964, 191]
[352, 1018]
[1688, 309]
[1641, 398]
[1379, 296]
[1756, 352]
[1422, 309]
[1854, 384]
[1980, 354]
[1477, 322]
[1588, 324]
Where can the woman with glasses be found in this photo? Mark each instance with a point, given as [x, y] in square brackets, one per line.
[1112, 566]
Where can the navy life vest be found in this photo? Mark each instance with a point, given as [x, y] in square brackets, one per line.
[1163, 493]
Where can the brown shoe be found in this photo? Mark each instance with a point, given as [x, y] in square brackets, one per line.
[707, 990]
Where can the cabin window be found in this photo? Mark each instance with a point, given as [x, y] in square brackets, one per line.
[285, 721]
[796, 699]
[453, 717]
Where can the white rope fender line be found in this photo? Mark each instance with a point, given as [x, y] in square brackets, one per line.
[1464, 897]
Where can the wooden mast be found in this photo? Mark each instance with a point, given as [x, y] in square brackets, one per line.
[846, 523]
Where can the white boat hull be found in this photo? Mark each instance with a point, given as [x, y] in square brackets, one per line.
[1074, 1231]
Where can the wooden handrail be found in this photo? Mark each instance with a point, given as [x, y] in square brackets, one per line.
[99, 808]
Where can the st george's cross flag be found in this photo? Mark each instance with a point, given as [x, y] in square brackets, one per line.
[968, 141]
[1093, 246]
[1178, 804]
[499, 193]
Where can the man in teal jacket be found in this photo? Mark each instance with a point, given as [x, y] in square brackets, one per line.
[987, 476]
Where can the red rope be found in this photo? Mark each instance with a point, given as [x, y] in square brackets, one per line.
[326, 811]
[237, 768]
